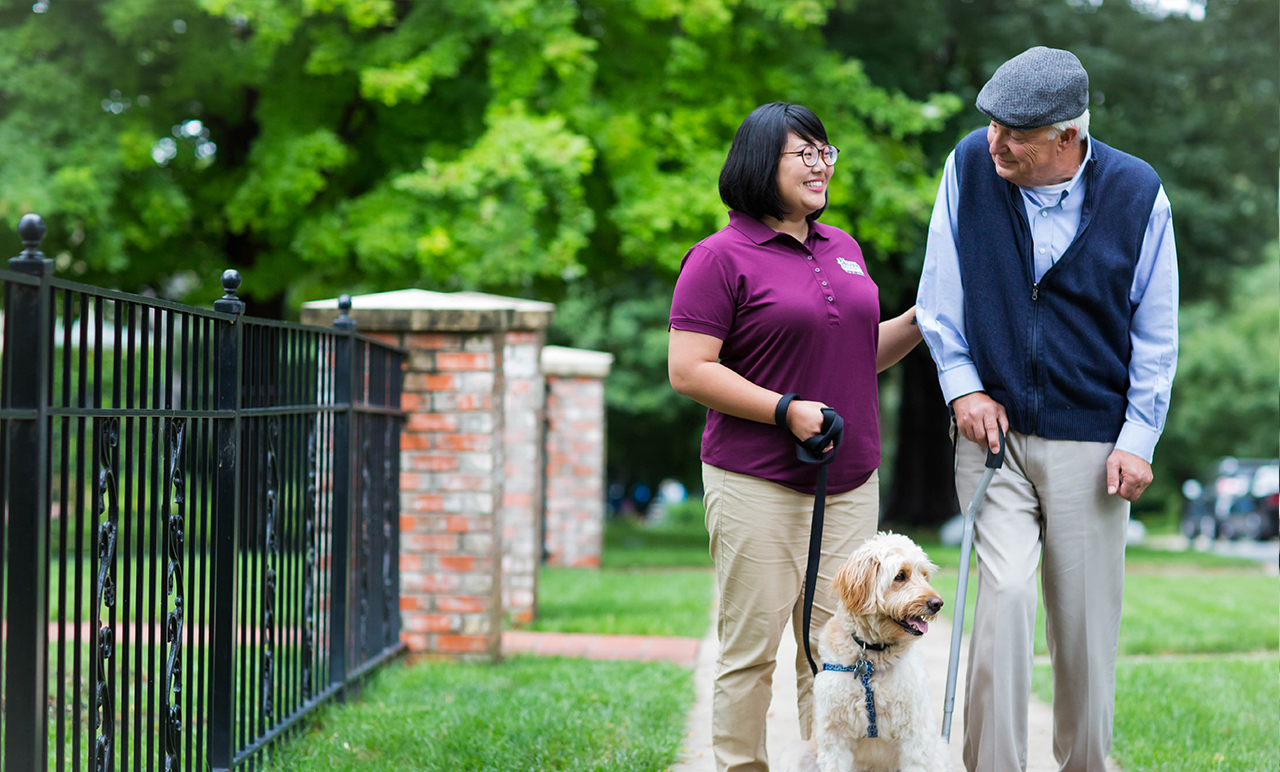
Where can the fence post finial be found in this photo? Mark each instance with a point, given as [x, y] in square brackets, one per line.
[31, 230]
[344, 320]
[229, 303]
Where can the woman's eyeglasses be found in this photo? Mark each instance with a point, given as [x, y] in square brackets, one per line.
[810, 154]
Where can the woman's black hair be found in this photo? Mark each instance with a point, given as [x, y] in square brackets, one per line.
[749, 179]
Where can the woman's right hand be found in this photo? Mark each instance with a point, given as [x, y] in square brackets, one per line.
[804, 418]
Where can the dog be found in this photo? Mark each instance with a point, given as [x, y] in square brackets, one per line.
[884, 604]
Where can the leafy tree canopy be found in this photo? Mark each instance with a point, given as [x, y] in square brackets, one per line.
[362, 144]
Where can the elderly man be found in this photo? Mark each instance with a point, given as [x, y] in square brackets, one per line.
[1049, 302]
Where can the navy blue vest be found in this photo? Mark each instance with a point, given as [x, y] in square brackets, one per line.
[1055, 354]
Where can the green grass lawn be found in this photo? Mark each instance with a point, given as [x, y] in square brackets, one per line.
[673, 601]
[1196, 683]
[628, 544]
[524, 714]
[653, 581]
[1199, 715]
[1174, 602]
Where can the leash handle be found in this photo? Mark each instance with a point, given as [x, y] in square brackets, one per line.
[810, 451]
[780, 410]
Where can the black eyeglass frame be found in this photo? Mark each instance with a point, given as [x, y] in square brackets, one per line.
[835, 155]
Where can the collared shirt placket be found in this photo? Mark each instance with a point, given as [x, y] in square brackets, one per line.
[825, 287]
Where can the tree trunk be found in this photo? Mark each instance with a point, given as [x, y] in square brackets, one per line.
[923, 488]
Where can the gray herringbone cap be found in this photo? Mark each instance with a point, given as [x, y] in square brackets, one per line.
[1038, 87]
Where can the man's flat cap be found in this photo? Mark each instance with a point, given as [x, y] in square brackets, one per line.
[1038, 87]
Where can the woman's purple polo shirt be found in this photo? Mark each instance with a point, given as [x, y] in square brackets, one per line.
[793, 317]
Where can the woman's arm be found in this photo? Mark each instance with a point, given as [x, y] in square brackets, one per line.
[693, 365]
[897, 337]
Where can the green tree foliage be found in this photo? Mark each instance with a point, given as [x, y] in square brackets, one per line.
[540, 147]
[1227, 390]
[1197, 99]
[569, 150]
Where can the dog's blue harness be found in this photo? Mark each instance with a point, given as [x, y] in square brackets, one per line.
[864, 669]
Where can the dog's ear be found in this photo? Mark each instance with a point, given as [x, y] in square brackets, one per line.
[855, 582]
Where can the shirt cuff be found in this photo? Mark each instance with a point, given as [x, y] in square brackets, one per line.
[959, 381]
[1138, 440]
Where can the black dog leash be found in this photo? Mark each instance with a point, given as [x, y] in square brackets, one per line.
[810, 452]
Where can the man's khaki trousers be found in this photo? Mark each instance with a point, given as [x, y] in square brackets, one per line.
[1048, 505]
[760, 545]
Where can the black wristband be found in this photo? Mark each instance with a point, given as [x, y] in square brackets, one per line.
[780, 411]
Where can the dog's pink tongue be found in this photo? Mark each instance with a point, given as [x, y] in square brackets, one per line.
[920, 625]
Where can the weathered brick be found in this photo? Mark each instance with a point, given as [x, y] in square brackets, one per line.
[433, 340]
[422, 502]
[459, 563]
[415, 441]
[462, 604]
[430, 462]
[432, 623]
[453, 361]
[431, 422]
[463, 441]
[429, 542]
[461, 643]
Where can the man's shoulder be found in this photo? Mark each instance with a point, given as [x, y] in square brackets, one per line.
[1112, 158]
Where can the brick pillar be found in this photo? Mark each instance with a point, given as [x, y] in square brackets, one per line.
[522, 482]
[575, 452]
[454, 456]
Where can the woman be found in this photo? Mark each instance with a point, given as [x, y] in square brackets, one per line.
[777, 303]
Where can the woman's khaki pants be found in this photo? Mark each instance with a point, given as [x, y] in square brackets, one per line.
[760, 545]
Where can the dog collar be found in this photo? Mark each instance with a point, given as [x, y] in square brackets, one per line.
[871, 646]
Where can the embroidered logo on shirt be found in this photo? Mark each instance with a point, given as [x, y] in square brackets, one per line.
[850, 267]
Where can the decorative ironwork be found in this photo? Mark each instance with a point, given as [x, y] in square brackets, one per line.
[175, 429]
[109, 504]
[177, 519]
[308, 582]
[366, 547]
[389, 487]
[272, 558]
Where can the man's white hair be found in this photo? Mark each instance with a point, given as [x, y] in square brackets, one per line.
[1081, 122]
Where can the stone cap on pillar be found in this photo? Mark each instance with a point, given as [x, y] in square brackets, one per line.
[417, 310]
[575, 362]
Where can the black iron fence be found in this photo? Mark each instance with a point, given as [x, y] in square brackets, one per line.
[201, 523]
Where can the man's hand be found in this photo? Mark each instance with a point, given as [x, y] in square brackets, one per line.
[977, 417]
[1127, 475]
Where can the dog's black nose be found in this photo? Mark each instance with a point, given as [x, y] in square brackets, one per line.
[934, 604]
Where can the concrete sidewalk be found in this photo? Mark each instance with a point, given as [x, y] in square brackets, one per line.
[783, 725]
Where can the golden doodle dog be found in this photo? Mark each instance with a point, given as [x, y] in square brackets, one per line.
[871, 699]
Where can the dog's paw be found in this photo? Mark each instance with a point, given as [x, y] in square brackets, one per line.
[799, 756]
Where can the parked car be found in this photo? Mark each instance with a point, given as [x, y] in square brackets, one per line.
[1242, 500]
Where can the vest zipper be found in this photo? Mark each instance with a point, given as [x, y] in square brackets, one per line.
[1035, 364]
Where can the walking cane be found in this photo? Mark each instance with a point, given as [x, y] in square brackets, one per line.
[994, 462]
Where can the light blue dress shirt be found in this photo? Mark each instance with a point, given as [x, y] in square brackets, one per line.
[1053, 213]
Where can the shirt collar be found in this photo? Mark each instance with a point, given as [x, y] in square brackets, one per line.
[760, 233]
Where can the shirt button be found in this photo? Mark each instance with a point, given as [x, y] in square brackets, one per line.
[1042, 250]
[1044, 212]
[817, 270]
[810, 257]
[824, 284]
[830, 298]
